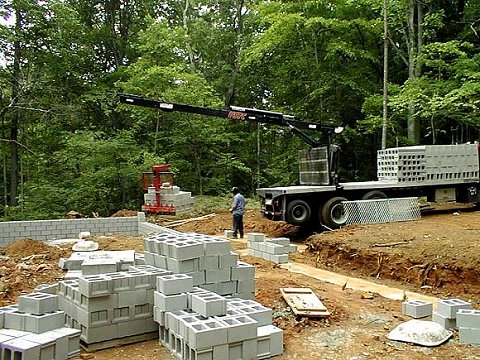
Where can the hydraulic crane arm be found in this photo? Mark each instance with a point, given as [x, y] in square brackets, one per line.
[238, 113]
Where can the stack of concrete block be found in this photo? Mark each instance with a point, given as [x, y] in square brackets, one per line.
[111, 306]
[446, 312]
[207, 259]
[429, 163]
[170, 196]
[271, 249]
[195, 323]
[468, 323]
[417, 309]
[35, 329]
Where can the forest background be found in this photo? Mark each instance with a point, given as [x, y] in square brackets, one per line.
[68, 144]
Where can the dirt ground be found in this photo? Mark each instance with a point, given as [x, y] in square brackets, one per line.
[437, 255]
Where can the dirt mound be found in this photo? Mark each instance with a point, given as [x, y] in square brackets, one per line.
[27, 247]
[125, 213]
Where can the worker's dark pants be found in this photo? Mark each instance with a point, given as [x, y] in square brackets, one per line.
[237, 225]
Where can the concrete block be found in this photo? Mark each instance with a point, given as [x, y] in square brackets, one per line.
[252, 245]
[249, 349]
[196, 290]
[216, 246]
[209, 304]
[97, 266]
[149, 258]
[121, 314]
[133, 297]
[228, 234]
[206, 334]
[94, 318]
[14, 320]
[140, 280]
[159, 316]
[260, 313]
[291, 248]
[279, 259]
[131, 328]
[469, 336]
[279, 241]
[47, 288]
[217, 275]
[239, 327]
[72, 337]
[182, 266]
[184, 321]
[46, 342]
[120, 281]
[142, 311]
[160, 261]
[170, 302]
[243, 271]
[20, 349]
[174, 284]
[92, 335]
[139, 259]
[468, 318]
[172, 319]
[274, 249]
[256, 237]
[209, 262]
[228, 260]
[448, 307]
[188, 249]
[446, 323]
[246, 285]
[198, 277]
[46, 322]
[417, 308]
[227, 287]
[94, 286]
[97, 303]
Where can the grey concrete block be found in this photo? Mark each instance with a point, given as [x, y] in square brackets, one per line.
[246, 285]
[94, 286]
[174, 284]
[46, 342]
[140, 280]
[14, 320]
[209, 304]
[228, 260]
[170, 302]
[97, 303]
[184, 321]
[469, 336]
[279, 259]
[160, 261]
[97, 266]
[243, 271]
[217, 275]
[172, 319]
[252, 245]
[417, 308]
[206, 334]
[94, 318]
[448, 307]
[119, 281]
[216, 246]
[446, 323]
[274, 249]
[133, 297]
[239, 327]
[249, 349]
[37, 303]
[227, 287]
[209, 262]
[139, 259]
[72, 336]
[143, 311]
[131, 328]
[255, 237]
[196, 290]
[122, 314]
[149, 258]
[187, 249]
[228, 234]
[198, 277]
[46, 322]
[468, 318]
[47, 288]
[92, 335]
[260, 313]
[159, 315]
[182, 266]
[20, 349]
[279, 241]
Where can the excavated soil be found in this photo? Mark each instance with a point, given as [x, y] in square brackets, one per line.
[436, 255]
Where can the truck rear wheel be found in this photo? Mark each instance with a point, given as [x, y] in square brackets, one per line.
[374, 194]
[298, 212]
[333, 213]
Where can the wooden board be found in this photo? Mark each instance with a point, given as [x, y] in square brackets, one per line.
[304, 302]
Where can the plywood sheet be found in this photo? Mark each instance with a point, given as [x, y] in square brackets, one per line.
[304, 302]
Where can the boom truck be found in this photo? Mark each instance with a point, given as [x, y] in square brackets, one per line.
[441, 173]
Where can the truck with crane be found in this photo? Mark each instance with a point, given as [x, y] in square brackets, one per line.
[441, 173]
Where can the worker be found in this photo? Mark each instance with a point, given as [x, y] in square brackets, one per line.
[237, 210]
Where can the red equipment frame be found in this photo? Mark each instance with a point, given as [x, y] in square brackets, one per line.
[159, 175]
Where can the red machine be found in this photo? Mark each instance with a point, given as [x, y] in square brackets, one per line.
[152, 183]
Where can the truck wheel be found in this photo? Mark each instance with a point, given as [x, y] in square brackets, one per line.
[333, 214]
[298, 212]
[374, 194]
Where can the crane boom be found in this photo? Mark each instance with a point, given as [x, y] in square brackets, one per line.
[237, 113]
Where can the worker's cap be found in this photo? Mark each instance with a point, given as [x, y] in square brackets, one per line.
[235, 190]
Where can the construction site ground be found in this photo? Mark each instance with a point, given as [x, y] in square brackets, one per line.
[438, 255]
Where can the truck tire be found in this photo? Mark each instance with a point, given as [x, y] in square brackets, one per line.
[374, 194]
[333, 214]
[298, 212]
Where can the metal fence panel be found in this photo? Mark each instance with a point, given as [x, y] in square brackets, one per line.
[381, 210]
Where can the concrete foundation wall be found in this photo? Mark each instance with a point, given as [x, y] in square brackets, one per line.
[11, 231]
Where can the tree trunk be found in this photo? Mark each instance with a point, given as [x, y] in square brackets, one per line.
[14, 158]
